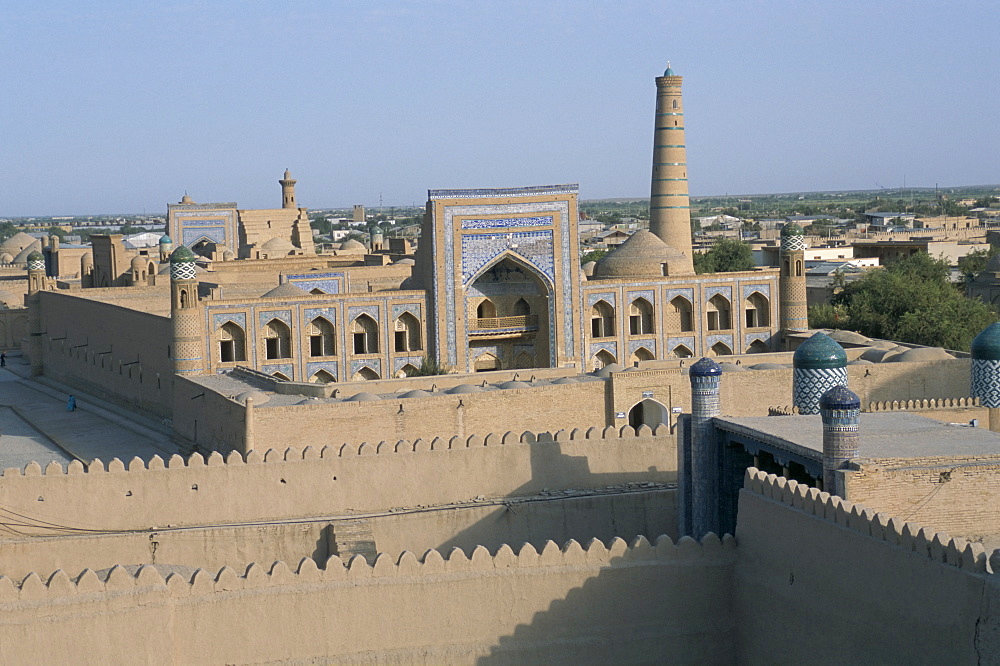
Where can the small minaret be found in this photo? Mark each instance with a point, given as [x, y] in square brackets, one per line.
[166, 247]
[185, 313]
[840, 410]
[86, 270]
[669, 208]
[792, 282]
[819, 364]
[986, 372]
[36, 284]
[288, 191]
[699, 453]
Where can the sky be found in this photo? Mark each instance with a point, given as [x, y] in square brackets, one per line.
[122, 107]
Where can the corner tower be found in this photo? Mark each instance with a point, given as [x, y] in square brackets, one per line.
[669, 208]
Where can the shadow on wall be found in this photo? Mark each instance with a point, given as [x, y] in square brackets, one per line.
[625, 505]
[681, 614]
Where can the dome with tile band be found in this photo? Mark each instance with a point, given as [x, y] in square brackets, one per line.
[819, 351]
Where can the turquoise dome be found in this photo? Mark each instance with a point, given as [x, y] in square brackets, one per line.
[668, 72]
[182, 255]
[819, 352]
[986, 345]
[792, 229]
[166, 240]
[840, 398]
[36, 256]
[706, 367]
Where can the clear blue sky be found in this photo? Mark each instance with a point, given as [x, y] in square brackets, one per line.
[114, 107]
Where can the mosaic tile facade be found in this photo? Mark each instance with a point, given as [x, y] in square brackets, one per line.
[508, 222]
[265, 316]
[809, 385]
[532, 247]
[329, 366]
[986, 382]
[238, 318]
[328, 283]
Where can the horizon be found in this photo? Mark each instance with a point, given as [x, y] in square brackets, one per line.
[126, 107]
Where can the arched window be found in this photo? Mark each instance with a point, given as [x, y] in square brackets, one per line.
[281, 376]
[798, 268]
[757, 310]
[681, 351]
[406, 371]
[679, 318]
[316, 291]
[486, 362]
[277, 340]
[757, 347]
[640, 317]
[603, 358]
[407, 333]
[674, 105]
[786, 268]
[640, 354]
[602, 320]
[322, 377]
[365, 332]
[232, 343]
[364, 374]
[486, 309]
[720, 349]
[648, 412]
[719, 313]
[322, 341]
[521, 308]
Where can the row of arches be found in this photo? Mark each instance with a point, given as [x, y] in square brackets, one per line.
[603, 357]
[679, 316]
[363, 374]
[321, 338]
[487, 309]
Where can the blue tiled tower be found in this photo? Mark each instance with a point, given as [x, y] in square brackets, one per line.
[819, 365]
[840, 409]
[986, 372]
[700, 464]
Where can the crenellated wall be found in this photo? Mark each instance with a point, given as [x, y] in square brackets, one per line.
[817, 574]
[620, 603]
[332, 480]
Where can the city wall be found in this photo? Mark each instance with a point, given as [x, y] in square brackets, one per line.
[814, 573]
[956, 495]
[112, 352]
[583, 605]
[218, 423]
[625, 514]
[332, 480]
[13, 327]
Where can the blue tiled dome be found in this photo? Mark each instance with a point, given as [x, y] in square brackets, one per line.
[166, 240]
[840, 397]
[819, 351]
[182, 255]
[792, 229]
[706, 367]
[986, 345]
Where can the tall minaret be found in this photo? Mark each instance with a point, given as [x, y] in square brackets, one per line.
[669, 209]
[792, 283]
[287, 191]
[36, 283]
[185, 313]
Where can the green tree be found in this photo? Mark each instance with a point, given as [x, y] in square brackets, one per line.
[593, 255]
[910, 300]
[429, 367]
[725, 256]
[973, 263]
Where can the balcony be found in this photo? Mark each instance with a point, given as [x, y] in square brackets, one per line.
[502, 327]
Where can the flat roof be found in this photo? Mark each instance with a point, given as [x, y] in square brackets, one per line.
[882, 435]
